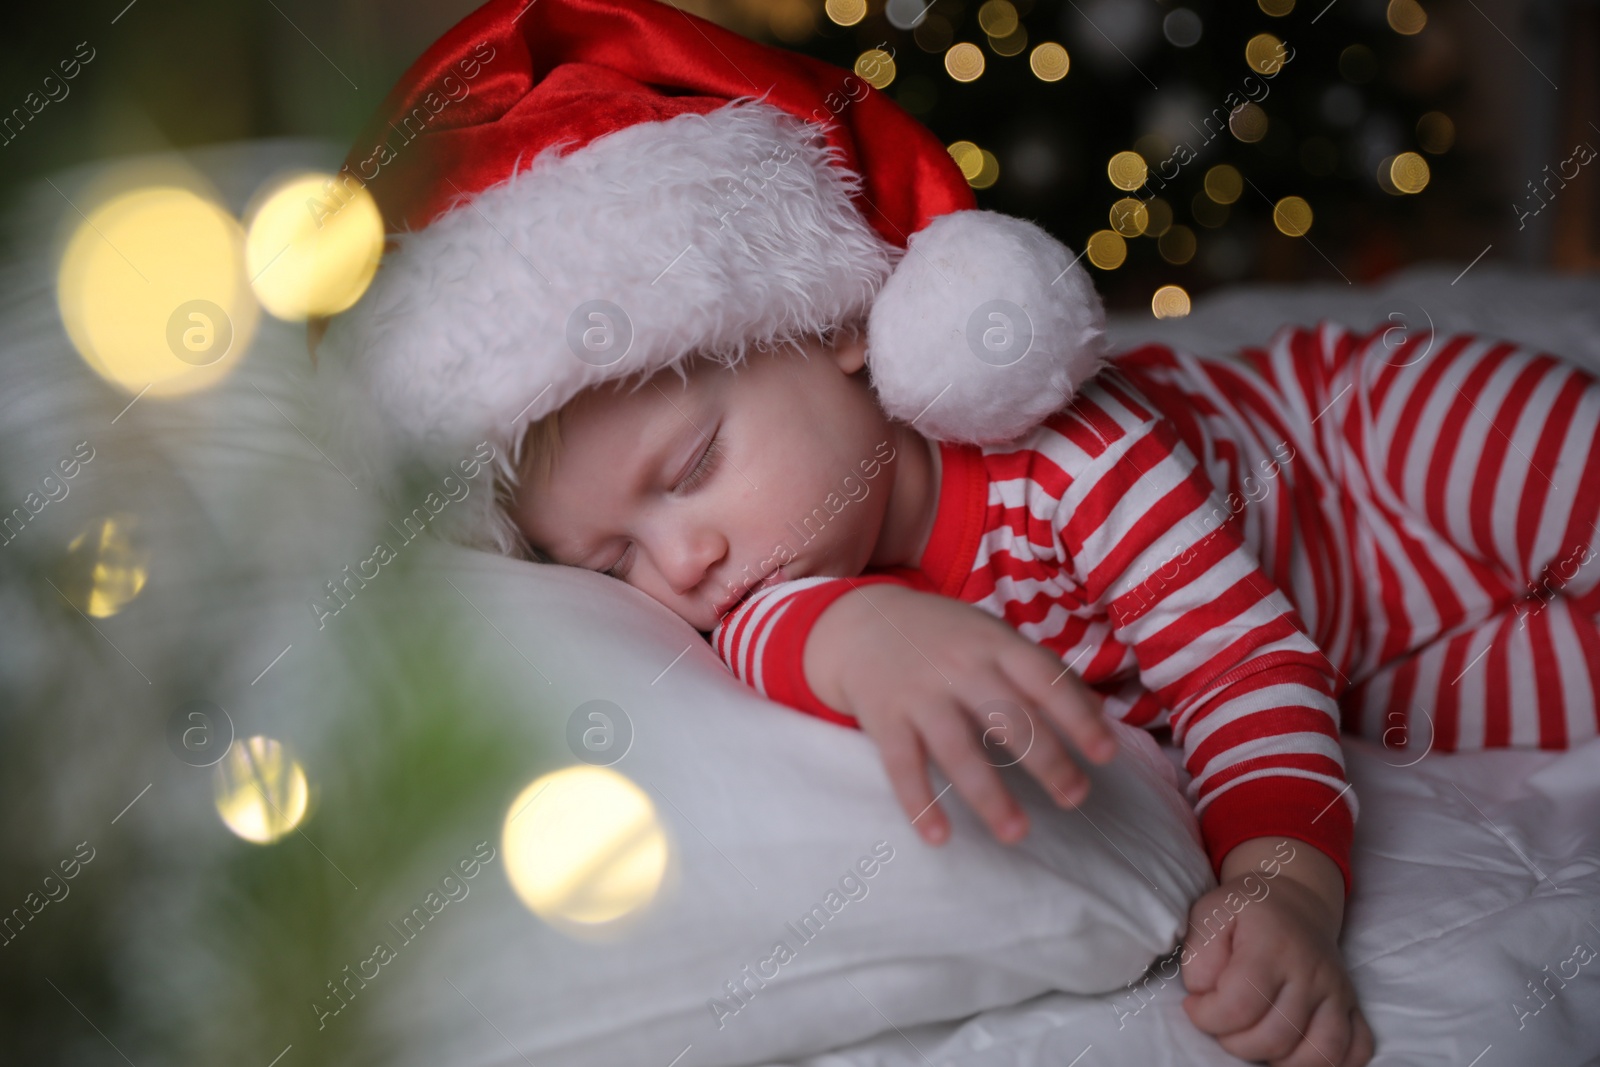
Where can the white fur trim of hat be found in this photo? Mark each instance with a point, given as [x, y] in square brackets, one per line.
[707, 234]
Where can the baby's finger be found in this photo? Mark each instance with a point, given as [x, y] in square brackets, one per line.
[900, 748]
[1208, 950]
[1070, 704]
[1327, 1037]
[947, 732]
[1233, 1007]
[1281, 1029]
[1014, 731]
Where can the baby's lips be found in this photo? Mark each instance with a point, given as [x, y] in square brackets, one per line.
[779, 575]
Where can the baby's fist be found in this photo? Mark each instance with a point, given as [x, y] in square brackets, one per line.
[1266, 977]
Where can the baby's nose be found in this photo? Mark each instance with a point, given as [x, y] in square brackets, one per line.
[692, 558]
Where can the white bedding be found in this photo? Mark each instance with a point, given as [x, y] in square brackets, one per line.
[1477, 875]
[1474, 872]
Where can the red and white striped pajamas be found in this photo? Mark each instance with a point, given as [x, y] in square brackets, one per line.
[1393, 533]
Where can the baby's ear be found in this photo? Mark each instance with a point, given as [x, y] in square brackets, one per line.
[849, 350]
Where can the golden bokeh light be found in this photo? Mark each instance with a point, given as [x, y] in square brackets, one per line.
[988, 170]
[997, 18]
[313, 247]
[1049, 62]
[969, 157]
[262, 793]
[106, 566]
[1170, 302]
[1292, 216]
[964, 62]
[584, 845]
[1224, 183]
[1106, 249]
[1153, 146]
[1129, 217]
[846, 12]
[876, 67]
[1409, 173]
[1436, 133]
[153, 294]
[1177, 245]
[1012, 43]
[1127, 171]
[1248, 123]
[1160, 217]
[1276, 8]
[1264, 53]
[1406, 17]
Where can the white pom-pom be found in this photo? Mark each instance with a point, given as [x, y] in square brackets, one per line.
[986, 327]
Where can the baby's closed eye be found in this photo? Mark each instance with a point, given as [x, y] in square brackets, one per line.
[703, 469]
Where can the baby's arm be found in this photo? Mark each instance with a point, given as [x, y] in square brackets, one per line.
[1250, 700]
[1249, 695]
[914, 670]
[1267, 979]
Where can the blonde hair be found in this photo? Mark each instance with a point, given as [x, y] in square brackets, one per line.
[535, 451]
[541, 443]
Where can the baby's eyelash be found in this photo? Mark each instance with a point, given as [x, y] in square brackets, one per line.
[702, 470]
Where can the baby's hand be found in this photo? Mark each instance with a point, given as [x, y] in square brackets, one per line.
[1270, 982]
[917, 669]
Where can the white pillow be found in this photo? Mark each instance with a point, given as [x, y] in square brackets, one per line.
[767, 811]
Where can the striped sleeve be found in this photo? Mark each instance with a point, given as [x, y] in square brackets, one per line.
[763, 640]
[1250, 694]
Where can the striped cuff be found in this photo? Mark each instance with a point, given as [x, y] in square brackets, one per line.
[1280, 807]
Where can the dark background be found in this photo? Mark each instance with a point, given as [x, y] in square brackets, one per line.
[1518, 80]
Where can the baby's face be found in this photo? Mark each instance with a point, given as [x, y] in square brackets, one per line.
[694, 492]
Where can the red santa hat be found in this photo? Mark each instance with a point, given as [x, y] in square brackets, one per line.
[584, 190]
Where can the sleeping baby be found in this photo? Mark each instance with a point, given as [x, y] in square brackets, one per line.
[1365, 522]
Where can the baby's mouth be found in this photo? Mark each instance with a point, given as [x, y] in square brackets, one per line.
[778, 575]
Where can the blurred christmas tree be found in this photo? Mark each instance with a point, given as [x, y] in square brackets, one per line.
[1180, 145]
[412, 775]
[233, 916]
